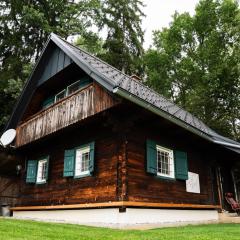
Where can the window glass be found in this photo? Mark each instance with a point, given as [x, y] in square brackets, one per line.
[48, 102]
[73, 88]
[60, 95]
[165, 162]
[82, 161]
[42, 171]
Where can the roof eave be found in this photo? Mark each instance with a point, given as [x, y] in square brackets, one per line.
[123, 93]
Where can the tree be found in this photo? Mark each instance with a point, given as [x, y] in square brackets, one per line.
[24, 28]
[91, 43]
[195, 61]
[123, 45]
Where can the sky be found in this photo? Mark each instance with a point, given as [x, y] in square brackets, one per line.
[158, 14]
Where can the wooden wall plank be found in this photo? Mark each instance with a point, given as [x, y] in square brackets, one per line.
[82, 104]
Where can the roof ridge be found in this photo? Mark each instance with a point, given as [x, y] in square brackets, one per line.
[99, 59]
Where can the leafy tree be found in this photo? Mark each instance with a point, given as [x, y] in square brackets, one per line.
[92, 43]
[24, 28]
[195, 61]
[122, 19]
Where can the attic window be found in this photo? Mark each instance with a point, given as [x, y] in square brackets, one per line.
[60, 95]
[73, 87]
[83, 82]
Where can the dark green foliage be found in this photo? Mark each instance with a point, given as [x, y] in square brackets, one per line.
[123, 45]
[195, 61]
[91, 43]
[24, 28]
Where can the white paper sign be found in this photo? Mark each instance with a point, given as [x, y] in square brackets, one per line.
[192, 184]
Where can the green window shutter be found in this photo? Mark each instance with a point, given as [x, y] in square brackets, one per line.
[31, 171]
[91, 164]
[69, 162]
[181, 165]
[151, 157]
[49, 101]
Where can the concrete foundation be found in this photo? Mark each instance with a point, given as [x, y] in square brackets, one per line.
[111, 217]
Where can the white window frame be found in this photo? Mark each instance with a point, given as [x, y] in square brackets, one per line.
[78, 161]
[40, 170]
[78, 81]
[55, 99]
[172, 167]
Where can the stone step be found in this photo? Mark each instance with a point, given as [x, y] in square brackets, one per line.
[227, 217]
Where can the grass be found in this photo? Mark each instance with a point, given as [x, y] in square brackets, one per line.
[20, 229]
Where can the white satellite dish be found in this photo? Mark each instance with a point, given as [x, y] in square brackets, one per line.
[8, 137]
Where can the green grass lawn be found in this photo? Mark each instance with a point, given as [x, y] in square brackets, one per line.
[17, 229]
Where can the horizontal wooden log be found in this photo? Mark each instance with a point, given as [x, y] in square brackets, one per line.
[116, 204]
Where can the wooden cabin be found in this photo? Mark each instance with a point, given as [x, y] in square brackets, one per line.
[99, 147]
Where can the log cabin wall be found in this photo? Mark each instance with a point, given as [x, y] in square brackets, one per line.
[100, 187]
[120, 135]
[143, 187]
[9, 178]
[9, 190]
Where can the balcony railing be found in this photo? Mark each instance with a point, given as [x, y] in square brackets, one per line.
[82, 104]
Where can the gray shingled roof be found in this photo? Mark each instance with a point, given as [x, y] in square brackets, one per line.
[134, 90]
[120, 80]
[135, 87]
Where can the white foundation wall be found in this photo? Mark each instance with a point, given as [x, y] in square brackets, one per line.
[112, 216]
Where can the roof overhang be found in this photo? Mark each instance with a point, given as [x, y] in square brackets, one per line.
[123, 93]
[119, 89]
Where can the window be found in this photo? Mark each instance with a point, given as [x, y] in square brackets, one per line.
[83, 82]
[42, 171]
[37, 170]
[73, 88]
[165, 162]
[60, 95]
[79, 161]
[48, 102]
[82, 161]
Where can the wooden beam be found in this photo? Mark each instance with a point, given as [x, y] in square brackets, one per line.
[170, 205]
[117, 204]
[219, 188]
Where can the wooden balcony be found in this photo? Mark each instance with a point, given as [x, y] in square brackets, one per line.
[74, 108]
